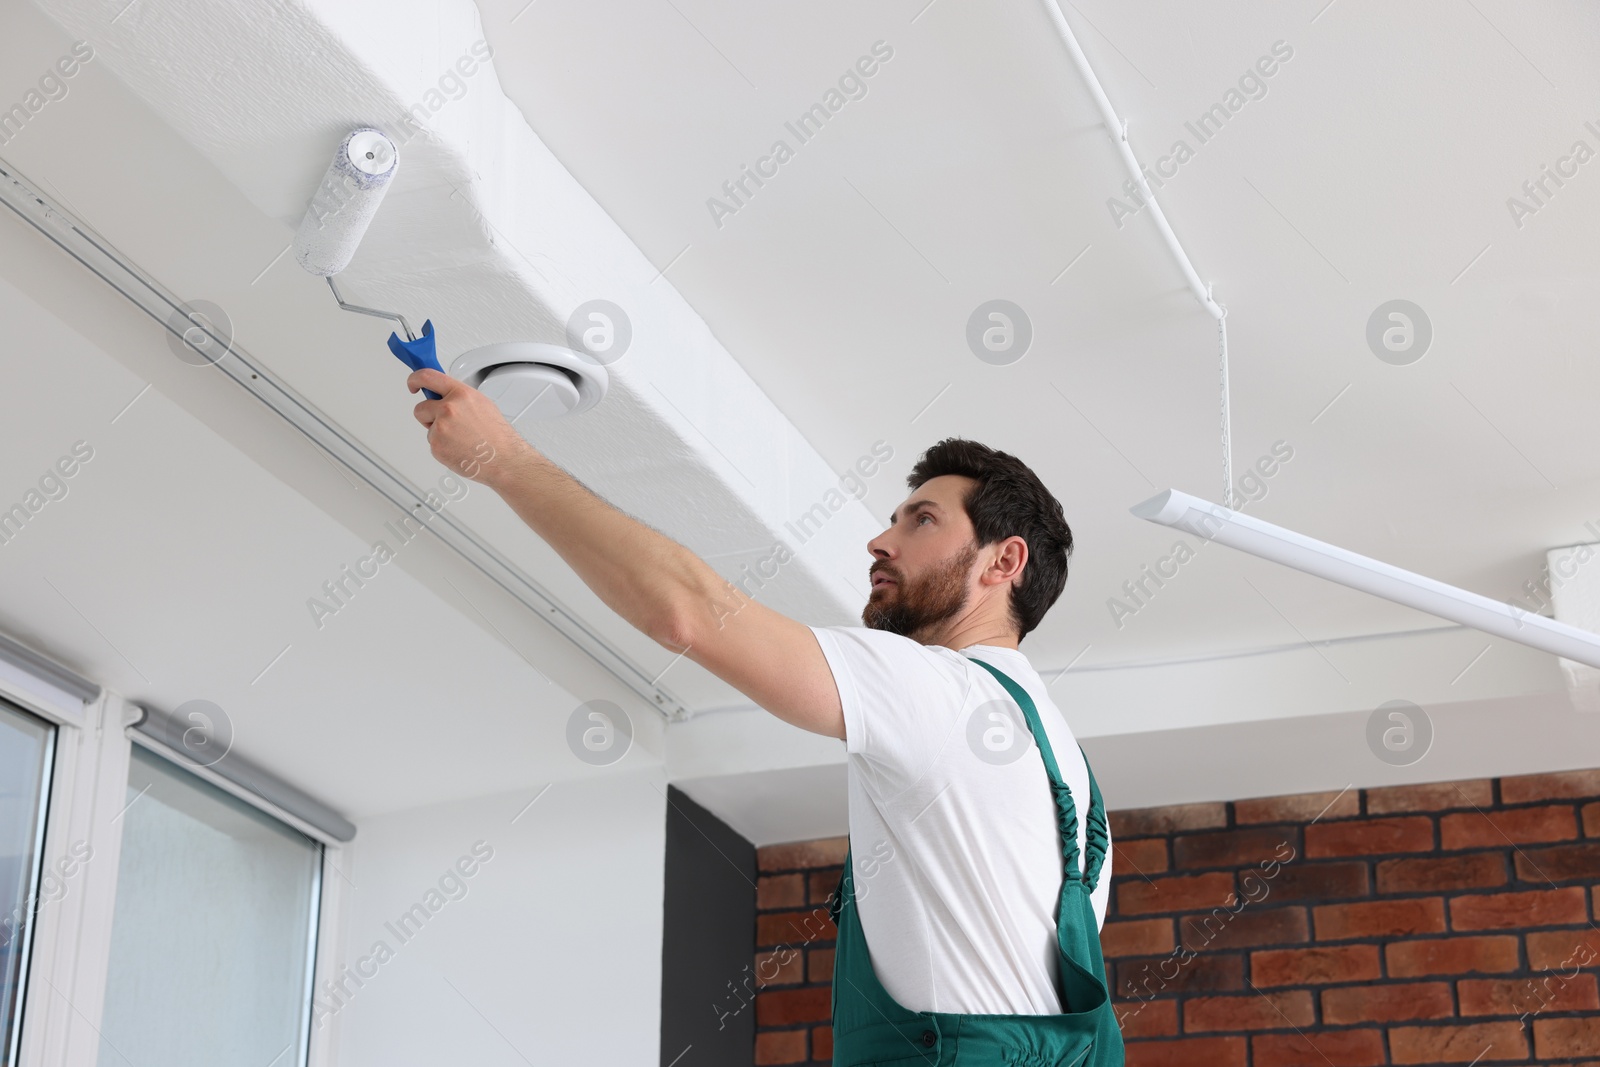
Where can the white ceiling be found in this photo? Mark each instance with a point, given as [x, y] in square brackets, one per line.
[1376, 167]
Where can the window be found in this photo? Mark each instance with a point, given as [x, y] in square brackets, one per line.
[25, 751]
[213, 938]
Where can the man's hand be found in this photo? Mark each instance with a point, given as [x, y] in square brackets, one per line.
[466, 430]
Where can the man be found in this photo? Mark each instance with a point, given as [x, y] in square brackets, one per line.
[984, 871]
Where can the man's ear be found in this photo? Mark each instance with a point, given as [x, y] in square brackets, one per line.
[1010, 559]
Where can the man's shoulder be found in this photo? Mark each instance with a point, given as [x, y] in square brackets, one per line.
[1011, 662]
[883, 642]
[880, 652]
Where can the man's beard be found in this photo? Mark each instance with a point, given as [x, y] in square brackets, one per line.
[916, 606]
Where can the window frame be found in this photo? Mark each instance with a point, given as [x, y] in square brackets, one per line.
[63, 990]
[35, 873]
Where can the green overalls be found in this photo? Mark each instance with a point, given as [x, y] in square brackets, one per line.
[870, 1027]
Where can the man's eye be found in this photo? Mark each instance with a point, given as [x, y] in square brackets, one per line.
[924, 515]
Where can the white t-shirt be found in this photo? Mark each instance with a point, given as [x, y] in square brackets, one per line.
[957, 860]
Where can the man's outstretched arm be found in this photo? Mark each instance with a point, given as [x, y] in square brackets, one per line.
[657, 585]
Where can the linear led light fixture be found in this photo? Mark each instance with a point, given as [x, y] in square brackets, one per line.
[1212, 522]
[80, 242]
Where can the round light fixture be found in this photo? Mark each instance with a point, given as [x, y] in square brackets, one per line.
[532, 380]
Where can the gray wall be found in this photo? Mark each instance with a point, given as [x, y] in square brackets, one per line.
[708, 940]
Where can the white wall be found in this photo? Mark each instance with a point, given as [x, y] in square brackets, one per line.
[554, 950]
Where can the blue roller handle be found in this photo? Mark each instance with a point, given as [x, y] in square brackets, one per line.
[418, 354]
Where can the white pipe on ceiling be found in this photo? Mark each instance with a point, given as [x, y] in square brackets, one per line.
[1117, 128]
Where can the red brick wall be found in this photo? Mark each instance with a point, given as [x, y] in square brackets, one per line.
[1433, 924]
[794, 950]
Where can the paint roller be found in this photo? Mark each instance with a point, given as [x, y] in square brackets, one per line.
[337, 217]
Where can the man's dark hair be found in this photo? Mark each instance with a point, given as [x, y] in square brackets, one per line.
[1009, 500]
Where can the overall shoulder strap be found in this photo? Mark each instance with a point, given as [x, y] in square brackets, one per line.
[1098, 835]
[1066, 810]
[1025, 702]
